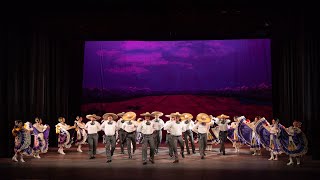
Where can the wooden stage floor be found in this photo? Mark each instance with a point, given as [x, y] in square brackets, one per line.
[233, 165]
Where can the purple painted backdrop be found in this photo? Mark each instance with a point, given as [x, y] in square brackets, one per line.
[121, 74]
[176, 65]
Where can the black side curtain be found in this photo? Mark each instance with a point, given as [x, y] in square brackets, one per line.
[295, 67]
[39, 79]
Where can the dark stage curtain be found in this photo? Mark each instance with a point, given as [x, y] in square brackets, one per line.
[40, 79]
[41, 72]
[295, 59]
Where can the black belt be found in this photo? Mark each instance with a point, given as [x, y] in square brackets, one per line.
[147, 134]
[131, 132]
[176, 136]
[109, 135]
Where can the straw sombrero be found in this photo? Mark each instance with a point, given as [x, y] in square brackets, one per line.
[146, 114]
[128, 116]
[174, 114]
[121, 114]
[203, 117]
[93, 115]
[114, 116]
[155, 113]
[186, 116]
[223, 116]
[139, 120]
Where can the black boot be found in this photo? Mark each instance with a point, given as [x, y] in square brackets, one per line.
[151, 160]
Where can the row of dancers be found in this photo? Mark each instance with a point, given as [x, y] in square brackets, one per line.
[125, 128]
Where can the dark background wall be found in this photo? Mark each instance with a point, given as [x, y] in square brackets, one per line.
[41, 51]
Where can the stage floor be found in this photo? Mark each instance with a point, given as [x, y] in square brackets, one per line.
[233, 165]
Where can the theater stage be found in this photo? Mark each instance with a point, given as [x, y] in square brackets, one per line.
[233, 165]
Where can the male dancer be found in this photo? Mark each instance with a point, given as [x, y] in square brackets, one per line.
[121, 132]
[168, 136]
[176, 129]
[93, 128]
[222, 121]
[202, 129]
[158, 125]
[109, 127]
[186, 118]
[130, 127]
[146, 128]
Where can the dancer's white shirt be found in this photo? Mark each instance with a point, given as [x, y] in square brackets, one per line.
[119, 124]
[202, 129]
[109, 129]
[188, 126]
[175, 129]
[222, 126]
[146, 129]
[130, 127]
[93, 129]
[158, 125]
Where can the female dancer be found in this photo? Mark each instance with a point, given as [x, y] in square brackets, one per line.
[81, 133]
[64, 140]
[41, 137]
[268, 135]
[234, 135]
[294, 142]
[22, 140]
[255, 144]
